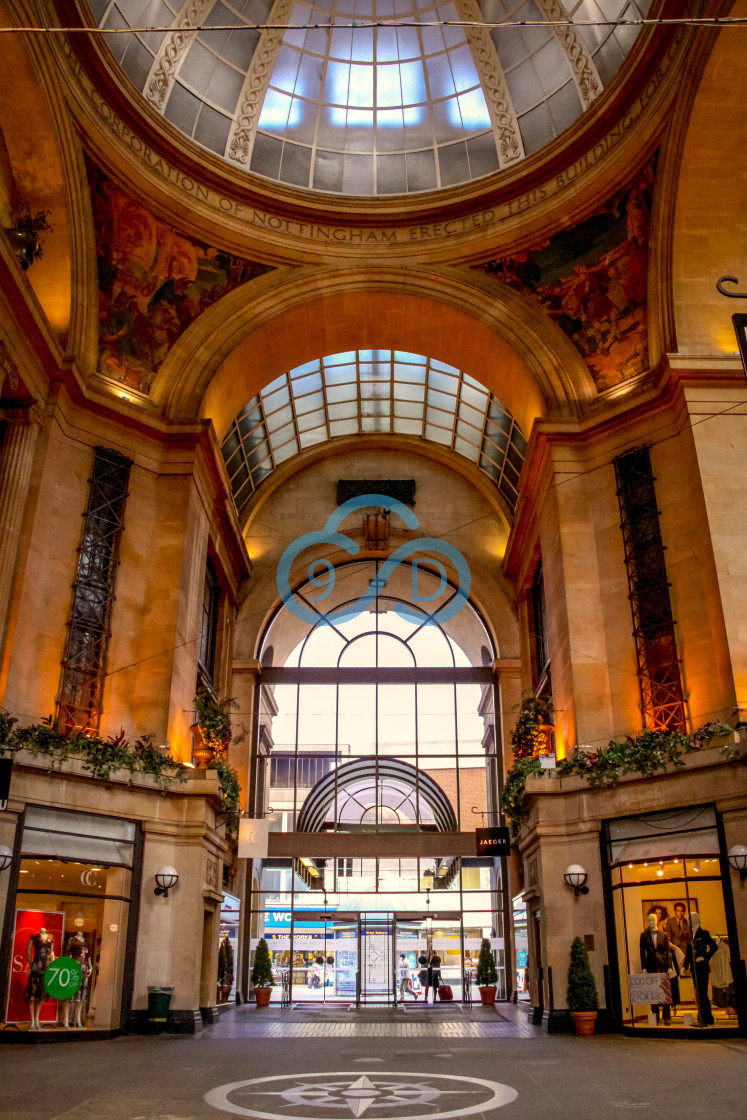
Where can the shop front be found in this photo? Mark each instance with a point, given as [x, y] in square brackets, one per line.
[672, 921]
[68, 930]
[661, 912]
[347, 938]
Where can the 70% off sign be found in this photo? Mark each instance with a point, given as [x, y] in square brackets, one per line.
[63, 977]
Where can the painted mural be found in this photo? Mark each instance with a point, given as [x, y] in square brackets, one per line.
[591, 280]
[153, 282]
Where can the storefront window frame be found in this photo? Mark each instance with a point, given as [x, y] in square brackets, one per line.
[613, 980]
[133, 918]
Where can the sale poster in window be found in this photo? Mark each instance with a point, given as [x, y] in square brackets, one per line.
[28, 925]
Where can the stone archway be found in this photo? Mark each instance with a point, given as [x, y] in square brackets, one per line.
[284, 318]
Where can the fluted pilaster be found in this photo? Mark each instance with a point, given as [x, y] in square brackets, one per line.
[20, 427]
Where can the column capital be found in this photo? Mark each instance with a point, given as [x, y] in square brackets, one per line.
[24, 415]
[507, 667]
[251, 666]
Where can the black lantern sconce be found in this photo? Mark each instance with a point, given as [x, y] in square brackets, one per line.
[6, 857]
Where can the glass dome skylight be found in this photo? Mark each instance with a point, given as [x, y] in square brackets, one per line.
[369, 110]
[372, 391]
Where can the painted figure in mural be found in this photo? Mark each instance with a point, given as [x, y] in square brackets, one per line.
[592, 281]
[153, 283]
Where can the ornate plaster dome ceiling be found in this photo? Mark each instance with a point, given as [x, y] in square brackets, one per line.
[403, 107]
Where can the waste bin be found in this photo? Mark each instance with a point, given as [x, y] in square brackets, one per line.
[159, 1001]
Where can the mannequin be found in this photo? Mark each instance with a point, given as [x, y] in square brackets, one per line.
[699, 952]
[73, 1009]
[225, 963]
[39, 954]
[656, 956]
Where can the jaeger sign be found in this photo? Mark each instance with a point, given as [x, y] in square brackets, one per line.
[492, 841]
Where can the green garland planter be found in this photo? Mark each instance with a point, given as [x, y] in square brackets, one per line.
[101, 758]
[646, 753]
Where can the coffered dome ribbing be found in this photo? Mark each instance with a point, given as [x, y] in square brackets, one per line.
[365, 110]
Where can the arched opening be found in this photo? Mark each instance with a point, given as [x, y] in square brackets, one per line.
[377, 758]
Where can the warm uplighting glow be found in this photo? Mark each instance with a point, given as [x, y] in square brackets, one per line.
[660, 873]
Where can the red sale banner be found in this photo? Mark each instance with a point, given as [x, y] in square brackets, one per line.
[28, 925]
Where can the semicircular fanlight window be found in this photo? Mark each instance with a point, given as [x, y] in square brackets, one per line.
[373, 391]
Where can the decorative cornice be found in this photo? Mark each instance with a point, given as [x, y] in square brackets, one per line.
[172, 51]
[244, 128]
[585, 73]
[497, 97]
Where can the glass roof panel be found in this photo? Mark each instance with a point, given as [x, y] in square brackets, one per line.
[366, 110]
[378, 394]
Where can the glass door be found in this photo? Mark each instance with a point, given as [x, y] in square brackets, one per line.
[377, 983]
[324, 952]
[428, 936]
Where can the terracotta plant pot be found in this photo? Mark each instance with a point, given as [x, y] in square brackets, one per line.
[487, 996]
[262, 996]
[584, 1023]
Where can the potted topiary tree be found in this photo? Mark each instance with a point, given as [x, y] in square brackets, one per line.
[582, 997]
[262, 974]
[487, 974]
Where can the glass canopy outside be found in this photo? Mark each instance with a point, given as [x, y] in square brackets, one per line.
[415, 103]
[372, 391]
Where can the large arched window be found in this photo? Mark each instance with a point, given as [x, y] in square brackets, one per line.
[379, 722]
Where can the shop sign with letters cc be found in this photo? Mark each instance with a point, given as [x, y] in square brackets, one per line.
[253, 837]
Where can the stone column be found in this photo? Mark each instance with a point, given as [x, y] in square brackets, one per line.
[508, 687]
[20, 429]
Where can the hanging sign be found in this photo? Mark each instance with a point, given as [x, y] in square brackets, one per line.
[253, 837]
[493, 841]
[6, 765]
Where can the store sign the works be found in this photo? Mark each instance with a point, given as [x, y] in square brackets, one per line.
[421, 554]
[493, 841]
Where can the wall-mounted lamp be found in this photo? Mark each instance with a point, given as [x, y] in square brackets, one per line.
[6, 857]
[576, 877]
[737, 859]
[166, 877]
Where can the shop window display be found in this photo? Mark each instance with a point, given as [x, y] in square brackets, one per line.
[670, 918]
[70, 922]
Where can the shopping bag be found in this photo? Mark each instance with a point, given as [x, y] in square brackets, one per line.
[445, 993]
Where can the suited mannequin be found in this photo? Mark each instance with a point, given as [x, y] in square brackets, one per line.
[699, 952]
[656, 956]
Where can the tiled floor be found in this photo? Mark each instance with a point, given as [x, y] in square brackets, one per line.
[439, 1064]
[506, 1021]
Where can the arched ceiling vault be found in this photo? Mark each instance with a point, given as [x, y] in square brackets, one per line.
[499, 337]
[34, 141]
[710, 235]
